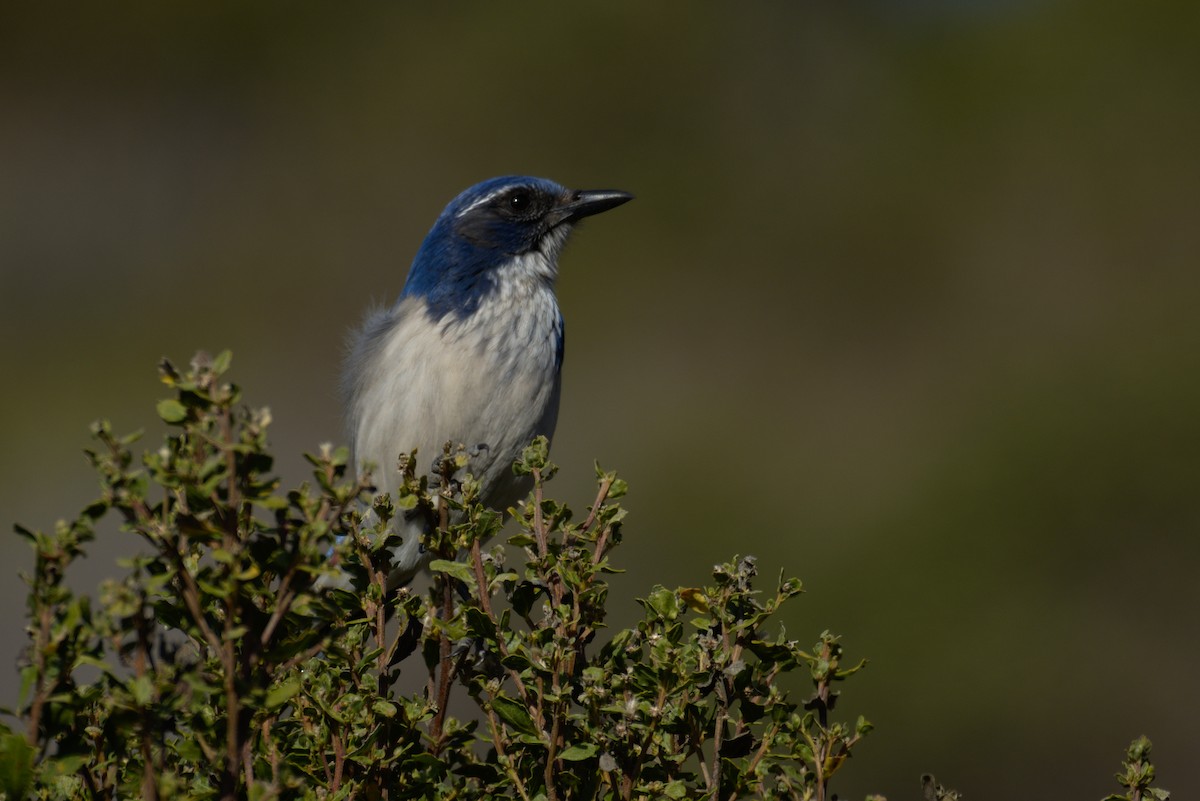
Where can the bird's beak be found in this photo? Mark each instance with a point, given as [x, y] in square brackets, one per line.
[586, 202]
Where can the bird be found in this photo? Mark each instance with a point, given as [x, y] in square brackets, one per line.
[471, 352]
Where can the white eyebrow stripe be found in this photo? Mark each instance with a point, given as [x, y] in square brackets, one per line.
[488, 198]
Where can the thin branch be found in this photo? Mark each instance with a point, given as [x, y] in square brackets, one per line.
[485, 595]
[443, 689]
[191, 597]
[40, 694]
[498, 741]
[339, 760]
[539, 527]
[233, 711]
[444, 667]
[233, 752]
[602, 540]
[552, 750]
[248, 763]
[273, 754]
[282, 605]
[650, 731]
[759, 754]
[141, 658]
[718, 735]
[601, 496]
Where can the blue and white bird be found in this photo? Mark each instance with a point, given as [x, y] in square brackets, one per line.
[472, 350]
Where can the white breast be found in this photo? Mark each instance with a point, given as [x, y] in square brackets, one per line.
[489, 381]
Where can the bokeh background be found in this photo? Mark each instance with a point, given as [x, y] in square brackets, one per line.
[906, 306]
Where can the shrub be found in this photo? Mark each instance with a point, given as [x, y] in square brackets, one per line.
[218, 667]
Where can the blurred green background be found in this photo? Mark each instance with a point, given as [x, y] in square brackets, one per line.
[906, 306]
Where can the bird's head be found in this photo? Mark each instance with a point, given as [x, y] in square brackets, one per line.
[492, 225]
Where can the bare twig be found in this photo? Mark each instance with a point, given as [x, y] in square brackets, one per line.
[485, 603]
[759, 754]
[229, 653]
[41, 692]
[339, 761]
[602, 540]
[140, 664]
[539, 525]
[444, 668]
[273, 753]
[498, 741]
[601, 496]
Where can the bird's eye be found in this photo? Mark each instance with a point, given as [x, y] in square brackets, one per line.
[518, 200]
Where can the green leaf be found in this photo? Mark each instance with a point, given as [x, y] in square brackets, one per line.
[221, 363]
[522, 540]
[513, 713]
[578, 753]
[676, 789]
[281, 694]
[664, 602]
[171, 410]
[385, 708]
[517, 662]
[16, 765]
[479, 624]
[91, 661]
[523, 596]
[458, 570]
[273, 503]
[142, 689]
[65, 765]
